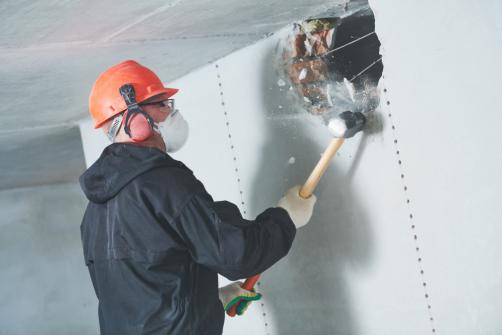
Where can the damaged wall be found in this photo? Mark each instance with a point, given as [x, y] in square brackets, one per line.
[395, 246]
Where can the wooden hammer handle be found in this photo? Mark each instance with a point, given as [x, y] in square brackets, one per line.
[321, 167]
[305, 192]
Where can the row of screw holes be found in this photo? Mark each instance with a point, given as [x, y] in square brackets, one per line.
[232, 148]
[415, 236]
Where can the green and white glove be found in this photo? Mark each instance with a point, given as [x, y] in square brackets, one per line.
[234, 294]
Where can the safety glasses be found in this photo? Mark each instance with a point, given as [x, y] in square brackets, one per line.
[164, 103]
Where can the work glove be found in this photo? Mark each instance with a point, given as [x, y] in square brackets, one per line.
[299, 209]
[234, 294]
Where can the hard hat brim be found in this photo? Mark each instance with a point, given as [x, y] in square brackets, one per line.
[171, 91]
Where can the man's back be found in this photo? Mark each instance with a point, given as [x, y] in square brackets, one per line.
[154, 241]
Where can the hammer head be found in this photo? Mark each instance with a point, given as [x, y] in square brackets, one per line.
[346, 124]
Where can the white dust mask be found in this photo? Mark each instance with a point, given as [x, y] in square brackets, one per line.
[174, 131]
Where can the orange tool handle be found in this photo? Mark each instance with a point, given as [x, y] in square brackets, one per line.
[248, 285]
[305, 192]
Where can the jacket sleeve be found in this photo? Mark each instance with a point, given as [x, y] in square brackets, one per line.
[217, 236]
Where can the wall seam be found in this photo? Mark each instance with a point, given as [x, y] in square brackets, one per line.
[230, 141]
[411, 217]
[236, 168]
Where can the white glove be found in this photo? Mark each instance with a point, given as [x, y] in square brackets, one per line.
[299, 209]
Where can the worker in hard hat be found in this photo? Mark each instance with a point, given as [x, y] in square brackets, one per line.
[153, 238]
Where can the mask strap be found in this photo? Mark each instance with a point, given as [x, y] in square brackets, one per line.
[129, 95]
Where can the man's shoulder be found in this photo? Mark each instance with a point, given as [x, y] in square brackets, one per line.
[177, 179]
[165, 189]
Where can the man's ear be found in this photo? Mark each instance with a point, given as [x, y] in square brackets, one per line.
[140, 128]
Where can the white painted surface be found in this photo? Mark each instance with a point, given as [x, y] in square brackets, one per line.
[94, 141]
[442, 72]
[354, 269]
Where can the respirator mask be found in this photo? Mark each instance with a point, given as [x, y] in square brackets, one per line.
[174, 130]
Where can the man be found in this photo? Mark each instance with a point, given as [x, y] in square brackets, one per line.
[154, 240]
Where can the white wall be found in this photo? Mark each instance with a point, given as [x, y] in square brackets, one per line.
[442, 72]
[356, 268]
[44, 283]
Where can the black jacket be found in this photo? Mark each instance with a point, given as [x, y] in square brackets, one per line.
[154, 241]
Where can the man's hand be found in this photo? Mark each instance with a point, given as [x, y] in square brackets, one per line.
[234, 294]
[299, 209]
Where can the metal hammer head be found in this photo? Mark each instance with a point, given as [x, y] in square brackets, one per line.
[346, 124]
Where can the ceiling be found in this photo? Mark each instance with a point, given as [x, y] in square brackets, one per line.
[52, 52]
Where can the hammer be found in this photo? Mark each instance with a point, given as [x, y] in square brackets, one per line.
[344, 125]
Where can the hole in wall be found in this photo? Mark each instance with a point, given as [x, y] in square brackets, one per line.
[331, 62]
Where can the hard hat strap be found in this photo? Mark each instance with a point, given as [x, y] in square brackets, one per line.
[129, 95]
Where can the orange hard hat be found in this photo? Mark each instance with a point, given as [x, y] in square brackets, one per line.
[105, 100]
